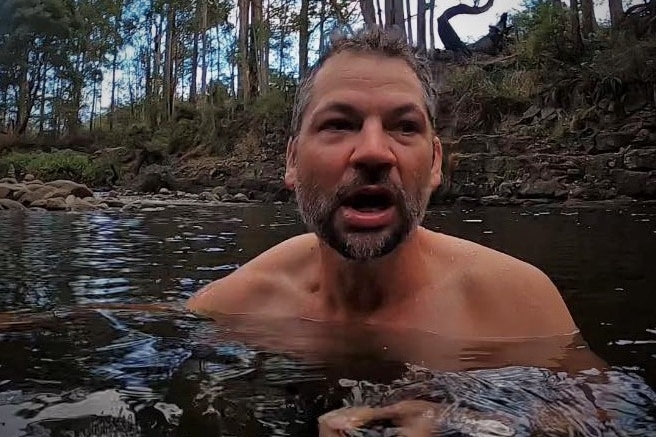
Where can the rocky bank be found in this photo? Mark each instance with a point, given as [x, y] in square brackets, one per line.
[65, 195]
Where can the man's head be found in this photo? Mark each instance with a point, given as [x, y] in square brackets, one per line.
[364, 159]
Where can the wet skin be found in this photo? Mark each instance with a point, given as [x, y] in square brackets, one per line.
[367, 112]
[367, 115]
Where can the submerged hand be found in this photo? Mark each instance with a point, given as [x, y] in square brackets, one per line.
[412, 418]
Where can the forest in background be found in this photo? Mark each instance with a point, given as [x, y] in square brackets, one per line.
[185, 82]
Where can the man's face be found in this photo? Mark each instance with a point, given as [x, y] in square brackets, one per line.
[365, 161]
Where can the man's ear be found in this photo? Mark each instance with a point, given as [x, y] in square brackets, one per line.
[436, 169]
[290, 170]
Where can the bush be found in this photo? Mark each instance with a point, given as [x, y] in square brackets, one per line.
[484, 97]
[542, 32]
[73, 166]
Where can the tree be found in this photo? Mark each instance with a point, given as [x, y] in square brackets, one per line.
[616, 13]
[394, 16]
[588, 20]
[243, 73]
[431, 18]
[421, 25]
[304, 37]
[448, 35]
[368, 12]
[575, 26]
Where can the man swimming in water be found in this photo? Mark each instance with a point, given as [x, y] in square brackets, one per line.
[363, 161]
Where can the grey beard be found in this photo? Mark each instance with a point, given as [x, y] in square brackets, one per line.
[318, 213]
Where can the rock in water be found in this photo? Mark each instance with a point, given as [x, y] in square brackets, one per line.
[241, 197]
[11, 204]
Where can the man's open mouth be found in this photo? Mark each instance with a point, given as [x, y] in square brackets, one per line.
[369, 208]
[370, 199]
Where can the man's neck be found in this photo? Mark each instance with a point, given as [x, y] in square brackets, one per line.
[354, 289]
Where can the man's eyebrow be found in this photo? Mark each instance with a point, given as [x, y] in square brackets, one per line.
[347, 109]
[405, 109]
[343, 108]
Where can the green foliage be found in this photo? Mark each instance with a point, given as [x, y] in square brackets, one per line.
[185, 130]
[69, 165]
[484, 97]
[542, 35]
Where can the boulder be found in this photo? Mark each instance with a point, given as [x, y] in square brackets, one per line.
[153, 178]
[28, 197]
[8, 181]
[58, 193]
[6, 190]
[164, 191]
[640, 159]
[542, 188]
[610, 142]
[78, 190]
[219, 191]
[241, 197]
[76, 204]
[51, 204]
[630, 183]
[29, 178]
[206, 196]
[113, 203]
[41, 191]
[8, 204]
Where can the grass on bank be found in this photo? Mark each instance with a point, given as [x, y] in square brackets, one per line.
[74, 166]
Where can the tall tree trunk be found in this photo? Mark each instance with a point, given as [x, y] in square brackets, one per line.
[575, 26]
[266, 45]
[168, 63]
[322, 20]
[42, 102]
[112, 103]
[260, 40]
[148, 71]
[368, 12]
[410, 38]
[194, 56]
[431, 19]
[218, 53]
[73, 116]
[3, 108]
[616, 13]
[203, 28]
[156, 91]
[399, 16]
[23, 94]
[380, 14]
[117, 26]
[93, 106]
[588, 19]
[244, 77]
[421, 25]
[303, 38]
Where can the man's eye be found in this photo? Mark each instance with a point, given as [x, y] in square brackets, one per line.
[408, 127]
[337, 124]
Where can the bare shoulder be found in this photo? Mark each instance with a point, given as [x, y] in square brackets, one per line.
[507, 291]
[260, 282]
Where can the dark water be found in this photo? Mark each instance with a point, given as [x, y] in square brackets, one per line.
[81, 354]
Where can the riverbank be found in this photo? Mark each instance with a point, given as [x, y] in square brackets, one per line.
[69, 196]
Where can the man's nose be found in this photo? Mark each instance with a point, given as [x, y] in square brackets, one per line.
[373, 150]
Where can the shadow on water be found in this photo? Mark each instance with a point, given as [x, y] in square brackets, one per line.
[82, 353]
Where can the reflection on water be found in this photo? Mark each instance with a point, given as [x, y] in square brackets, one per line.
[76, 358]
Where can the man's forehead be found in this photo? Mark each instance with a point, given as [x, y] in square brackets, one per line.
[365, 67]
[362, 72]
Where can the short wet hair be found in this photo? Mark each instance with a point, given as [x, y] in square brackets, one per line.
[390, 43]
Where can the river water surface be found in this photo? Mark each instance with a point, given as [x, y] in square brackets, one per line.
[83, 353]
